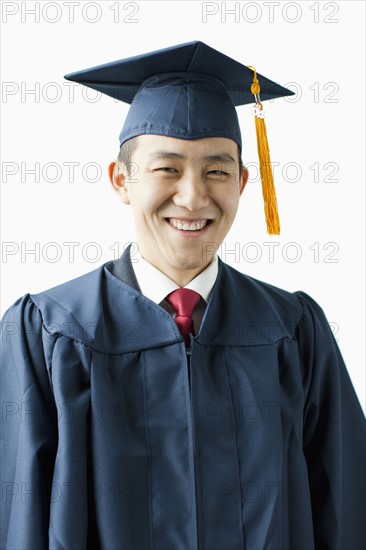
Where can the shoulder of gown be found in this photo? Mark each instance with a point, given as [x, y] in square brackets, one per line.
[80, 307]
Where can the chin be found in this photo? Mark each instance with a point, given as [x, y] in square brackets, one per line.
[183, 259]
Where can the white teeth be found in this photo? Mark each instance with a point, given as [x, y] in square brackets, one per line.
[194, 226]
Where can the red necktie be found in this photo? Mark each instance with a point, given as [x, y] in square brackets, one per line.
[184, 300]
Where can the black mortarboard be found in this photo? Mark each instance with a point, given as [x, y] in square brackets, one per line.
[188, 91]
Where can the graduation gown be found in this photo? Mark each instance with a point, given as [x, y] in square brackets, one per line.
[109, 444]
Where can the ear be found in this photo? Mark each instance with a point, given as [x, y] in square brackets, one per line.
[243, 179]
[117, 178]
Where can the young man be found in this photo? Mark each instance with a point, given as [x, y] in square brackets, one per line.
[175, 403]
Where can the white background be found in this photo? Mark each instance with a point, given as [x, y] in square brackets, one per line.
[317, 46]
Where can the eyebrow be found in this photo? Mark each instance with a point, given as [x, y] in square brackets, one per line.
[223, 157]
[165, 154]
[219, 157]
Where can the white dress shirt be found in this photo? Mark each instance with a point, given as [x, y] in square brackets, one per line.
[155, 285]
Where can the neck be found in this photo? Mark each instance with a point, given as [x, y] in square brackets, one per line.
[181, 277]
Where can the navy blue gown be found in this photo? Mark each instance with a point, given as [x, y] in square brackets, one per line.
[107, 445]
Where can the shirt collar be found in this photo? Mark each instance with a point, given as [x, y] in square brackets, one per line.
[155, 285]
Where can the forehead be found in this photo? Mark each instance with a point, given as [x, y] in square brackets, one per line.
[154, 146]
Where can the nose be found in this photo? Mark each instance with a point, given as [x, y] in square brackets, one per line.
[192, 193]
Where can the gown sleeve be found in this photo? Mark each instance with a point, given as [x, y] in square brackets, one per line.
[333, 437]
[29, 429]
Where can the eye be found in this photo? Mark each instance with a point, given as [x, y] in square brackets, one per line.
[167, 169]
[218, 172]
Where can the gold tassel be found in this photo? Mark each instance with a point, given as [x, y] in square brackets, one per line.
[268, 188]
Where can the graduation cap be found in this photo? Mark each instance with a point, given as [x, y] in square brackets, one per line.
[189, 91]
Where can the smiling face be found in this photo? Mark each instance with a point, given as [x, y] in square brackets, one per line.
[184, 197]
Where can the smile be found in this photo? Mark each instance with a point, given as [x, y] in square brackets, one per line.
[188, 225]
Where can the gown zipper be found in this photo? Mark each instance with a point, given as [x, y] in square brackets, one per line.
[191, 443]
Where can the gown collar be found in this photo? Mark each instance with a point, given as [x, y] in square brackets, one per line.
[240, 312]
